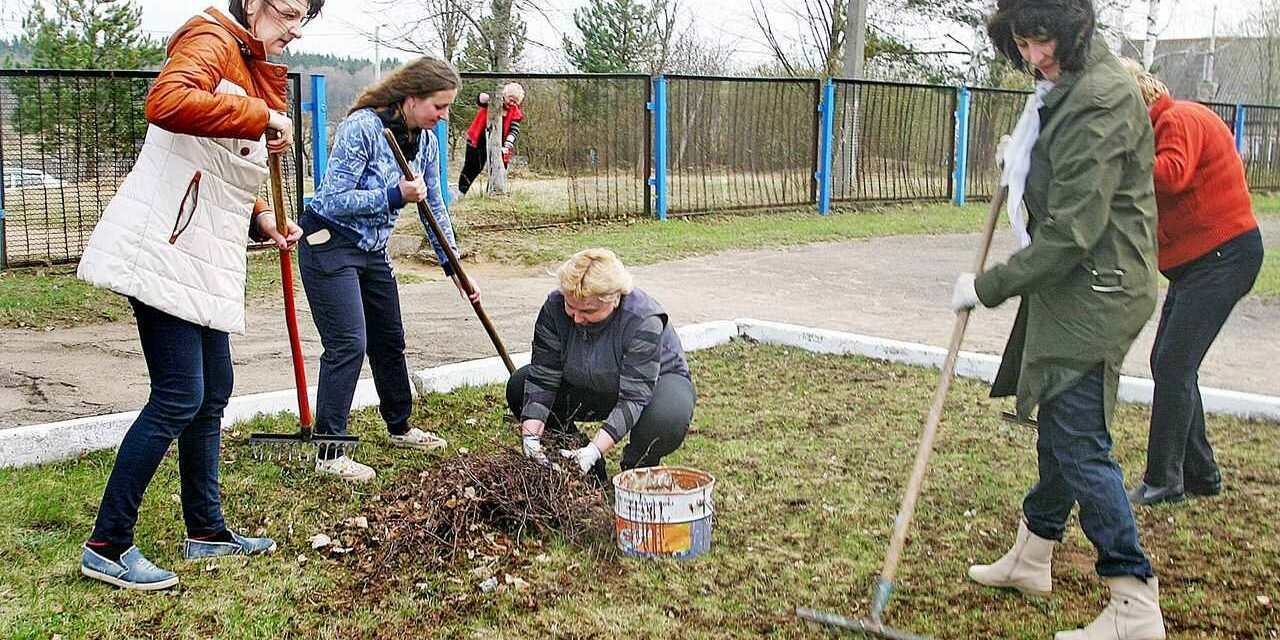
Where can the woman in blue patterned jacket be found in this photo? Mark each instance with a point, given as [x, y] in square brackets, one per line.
[346, 269]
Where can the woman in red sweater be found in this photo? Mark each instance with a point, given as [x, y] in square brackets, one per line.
[1210, 249]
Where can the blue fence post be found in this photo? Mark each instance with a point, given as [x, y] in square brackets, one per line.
[962, 145]
[441, 133]
[827, 108]
[1239, 132]
[659, 179]
[318, 107]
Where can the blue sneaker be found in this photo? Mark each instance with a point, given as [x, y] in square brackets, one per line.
[134, 571]
[239, 546]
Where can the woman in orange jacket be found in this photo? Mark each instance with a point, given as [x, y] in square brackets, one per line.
[1210, 249]
[173, 241]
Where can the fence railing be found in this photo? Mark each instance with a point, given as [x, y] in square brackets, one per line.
[592, 147]
[892, 142]
[67, 141]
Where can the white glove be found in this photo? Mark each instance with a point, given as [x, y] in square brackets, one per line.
[1001, 147]
[965, 295]
[586, 457]
[532, 446]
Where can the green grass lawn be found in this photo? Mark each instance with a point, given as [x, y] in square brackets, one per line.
[810, 453]
[51, 297]
[650, 241]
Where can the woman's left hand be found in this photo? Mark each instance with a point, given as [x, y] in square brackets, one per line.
[474, 297]
[267, 225]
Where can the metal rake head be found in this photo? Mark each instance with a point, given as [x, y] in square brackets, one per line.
[293, 448]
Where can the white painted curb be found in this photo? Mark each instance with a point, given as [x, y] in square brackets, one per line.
[38, 444]
[982, 366]
[41, 443]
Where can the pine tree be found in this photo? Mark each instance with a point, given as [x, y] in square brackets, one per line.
[619, 36]
[89, 121]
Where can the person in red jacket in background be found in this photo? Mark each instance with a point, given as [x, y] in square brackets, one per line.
[477, 135]
[1210, 249]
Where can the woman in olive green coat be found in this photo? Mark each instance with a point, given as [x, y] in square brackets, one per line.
[1087, 285]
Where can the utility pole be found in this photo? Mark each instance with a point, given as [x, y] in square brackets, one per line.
[377, 54]
[855, 38]
[1208, 89]
[1149, 46]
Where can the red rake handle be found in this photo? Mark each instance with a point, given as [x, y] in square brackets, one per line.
[290, 308]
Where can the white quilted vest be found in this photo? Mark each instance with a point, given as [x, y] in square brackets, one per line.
[174, 235]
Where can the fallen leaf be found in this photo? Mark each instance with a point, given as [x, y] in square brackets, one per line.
[489, 584]
[1264, 601]
[359, 522]
[320, 541]
[302, 558]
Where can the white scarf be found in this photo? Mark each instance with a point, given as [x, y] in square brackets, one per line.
[1017, 160]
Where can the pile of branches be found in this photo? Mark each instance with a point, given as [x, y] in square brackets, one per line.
[480, 508]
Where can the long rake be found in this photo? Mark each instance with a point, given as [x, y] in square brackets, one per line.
[873, 625]
[290, 446]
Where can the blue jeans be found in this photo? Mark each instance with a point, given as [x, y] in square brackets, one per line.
[1074, 451]
[356, 307]
[1201, 295]
[191, 379]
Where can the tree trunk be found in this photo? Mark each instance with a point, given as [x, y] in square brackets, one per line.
[502, 37]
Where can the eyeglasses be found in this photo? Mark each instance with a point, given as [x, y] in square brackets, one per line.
[289, 17]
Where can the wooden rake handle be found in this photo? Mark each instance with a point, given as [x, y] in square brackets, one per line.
[903, 521]
[290, 308]
[448, 252]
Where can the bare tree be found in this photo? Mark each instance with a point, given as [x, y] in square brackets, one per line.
[819, 47]
[503, 23]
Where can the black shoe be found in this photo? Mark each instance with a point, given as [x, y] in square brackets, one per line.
[1145, 494]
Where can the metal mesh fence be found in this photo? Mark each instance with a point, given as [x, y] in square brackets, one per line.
[582, 152]
[1262, 147]
[892, 141]
[1225, 111]
[992, 113]
[741, 143]
[67, 140]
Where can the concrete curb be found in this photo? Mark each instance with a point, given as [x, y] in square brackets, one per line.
[51, 442]
[39, 444]
[982, 366]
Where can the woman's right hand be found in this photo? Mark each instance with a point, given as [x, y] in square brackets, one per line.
[413, 190]
[279, 132]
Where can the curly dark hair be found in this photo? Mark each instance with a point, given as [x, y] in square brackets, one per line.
[1070, 23]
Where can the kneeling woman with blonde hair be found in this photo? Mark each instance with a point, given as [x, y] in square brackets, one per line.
[603, 350]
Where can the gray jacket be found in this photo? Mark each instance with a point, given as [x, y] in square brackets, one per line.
[625, 354]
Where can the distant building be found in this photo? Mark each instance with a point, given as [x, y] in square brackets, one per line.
[1244, 69]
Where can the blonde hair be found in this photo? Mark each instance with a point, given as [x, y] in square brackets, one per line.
[419, 79]
[1151, 87]
[594, 273]
[513, 89]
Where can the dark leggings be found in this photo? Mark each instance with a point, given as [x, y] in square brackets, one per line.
[1201, 295]
[661, 429]
[472, 164]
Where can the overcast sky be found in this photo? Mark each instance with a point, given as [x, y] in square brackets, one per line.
[341, 29]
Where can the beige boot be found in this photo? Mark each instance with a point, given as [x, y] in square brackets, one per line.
[1133, 614]
[1026, 567]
